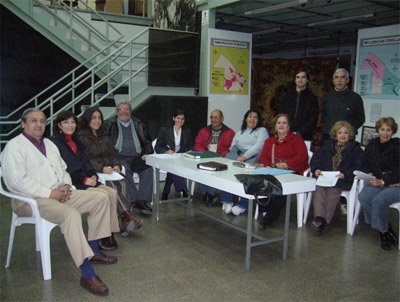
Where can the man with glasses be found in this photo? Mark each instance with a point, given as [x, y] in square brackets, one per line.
[216, 137]
[132, 143]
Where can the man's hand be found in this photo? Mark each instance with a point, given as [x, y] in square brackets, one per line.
[62, 194]
[318, 173]
[117, 169]
[144, 157]
[169, 152]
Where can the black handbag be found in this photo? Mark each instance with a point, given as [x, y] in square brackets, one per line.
[260, 185]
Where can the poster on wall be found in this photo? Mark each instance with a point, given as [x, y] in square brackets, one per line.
[379, 68]
[229, 66]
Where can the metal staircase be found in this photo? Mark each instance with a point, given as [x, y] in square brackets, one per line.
[106, 64]
[68, 28]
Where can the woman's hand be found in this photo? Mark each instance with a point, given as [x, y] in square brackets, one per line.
[341, 175]
[374, 182]
[241, 158]
[282, 166]
[91, 182]
[318, 173]
[117, 169]
[169, 152]
[107, 170]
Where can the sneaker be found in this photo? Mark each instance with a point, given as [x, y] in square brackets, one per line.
[238, 210]
[227, 208]
[343, 209]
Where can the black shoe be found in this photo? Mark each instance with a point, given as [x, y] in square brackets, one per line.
[393, 236]
[164, 196]
[141, 207]
[184, 193]
[264, 222]
[212, 200]
[318, 224]
[386, 241]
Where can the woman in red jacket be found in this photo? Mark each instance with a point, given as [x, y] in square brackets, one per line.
[284, 150]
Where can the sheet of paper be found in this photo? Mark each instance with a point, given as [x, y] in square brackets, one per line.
[362, 175]
[328, 179]
[271, 171]
[112, 176]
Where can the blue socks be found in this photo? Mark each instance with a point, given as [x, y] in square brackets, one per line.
[94, 244]
[87, 270]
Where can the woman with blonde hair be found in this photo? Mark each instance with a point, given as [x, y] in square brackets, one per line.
[341, 154]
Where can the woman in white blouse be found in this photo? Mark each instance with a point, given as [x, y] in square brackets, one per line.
[246, 147]
[174, 139]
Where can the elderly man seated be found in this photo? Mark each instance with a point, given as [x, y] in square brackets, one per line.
[33, 168]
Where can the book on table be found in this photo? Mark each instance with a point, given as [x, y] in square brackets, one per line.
[212, 166]
[201, 154]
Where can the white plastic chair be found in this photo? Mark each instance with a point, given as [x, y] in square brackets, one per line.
[350, 198]
[358, 209]
[301, 198]
[42, 230]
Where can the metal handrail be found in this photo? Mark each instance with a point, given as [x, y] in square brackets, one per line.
[89, 74]
[72, 16]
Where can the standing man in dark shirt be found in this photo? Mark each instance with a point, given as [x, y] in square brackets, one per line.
[341, 104]
[301, 106]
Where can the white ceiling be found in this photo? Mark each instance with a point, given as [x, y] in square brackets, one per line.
[293, 28]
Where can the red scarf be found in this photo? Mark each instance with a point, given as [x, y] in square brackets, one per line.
[71, 143]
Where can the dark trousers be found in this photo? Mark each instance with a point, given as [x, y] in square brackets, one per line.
[274, 208]
[179, 183]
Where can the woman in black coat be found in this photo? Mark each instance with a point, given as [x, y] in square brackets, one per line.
[82, 173]
[382, 160]
[341, 154]
[174, 139]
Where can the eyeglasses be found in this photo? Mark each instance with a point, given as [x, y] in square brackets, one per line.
[123, 109]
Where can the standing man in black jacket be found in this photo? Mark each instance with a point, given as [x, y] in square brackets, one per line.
[341, 104]
[301, 106]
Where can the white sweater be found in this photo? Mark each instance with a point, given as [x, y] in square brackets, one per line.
[253, 142]
[28, 172]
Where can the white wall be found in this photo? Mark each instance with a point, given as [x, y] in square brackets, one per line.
[390, 107]
[233, 106]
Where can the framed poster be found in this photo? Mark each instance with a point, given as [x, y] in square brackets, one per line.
[368, 133]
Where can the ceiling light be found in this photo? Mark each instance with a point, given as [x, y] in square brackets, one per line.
[266, 31]
[308, 39]
[275, 7]
[340, 20]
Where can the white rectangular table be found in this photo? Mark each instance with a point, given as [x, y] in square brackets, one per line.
[225, 181]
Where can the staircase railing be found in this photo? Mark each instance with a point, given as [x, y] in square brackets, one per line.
[121, 59]
[74, 17]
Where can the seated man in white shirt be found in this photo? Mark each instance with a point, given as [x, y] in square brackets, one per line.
[32, 167]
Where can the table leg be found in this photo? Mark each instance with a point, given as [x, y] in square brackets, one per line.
[286, 235]
[189, 213]
[249, 231]
[157, 189]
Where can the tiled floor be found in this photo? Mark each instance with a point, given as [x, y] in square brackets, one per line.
[180, 259]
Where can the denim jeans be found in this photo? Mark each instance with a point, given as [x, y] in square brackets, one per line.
[206, 189]
[376, 201]
[227, 198]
